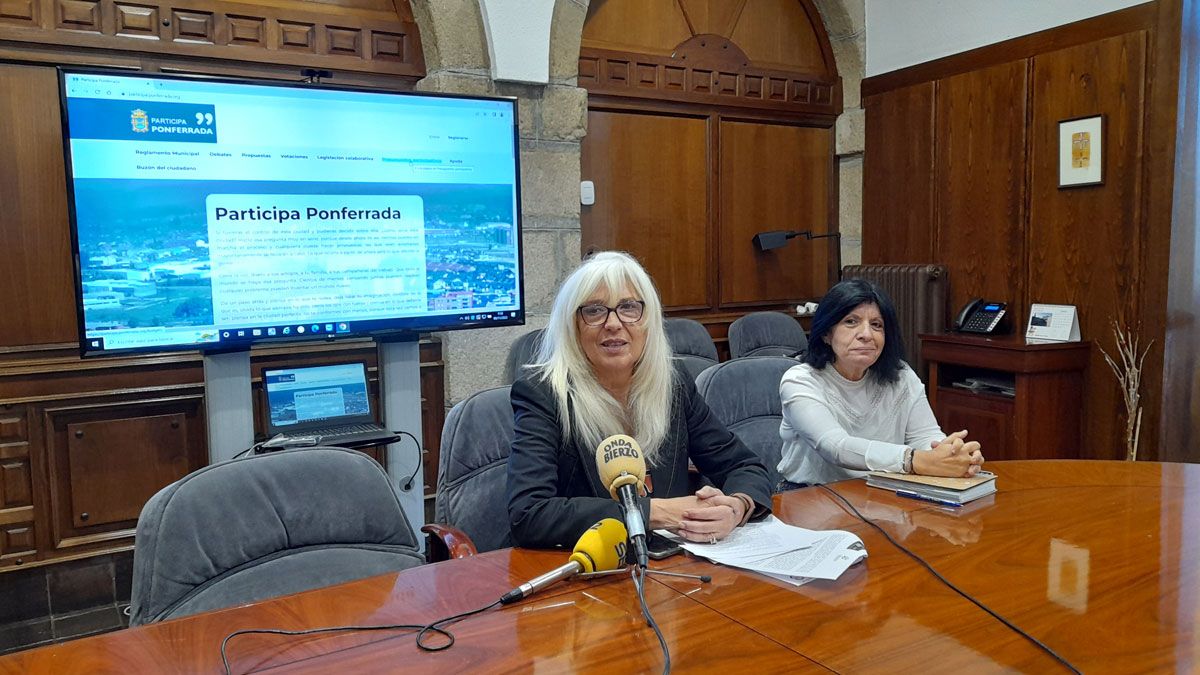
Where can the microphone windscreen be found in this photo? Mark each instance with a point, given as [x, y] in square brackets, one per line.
[619, 461]
[602, 546]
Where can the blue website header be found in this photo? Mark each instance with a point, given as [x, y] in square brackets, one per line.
[132, 120]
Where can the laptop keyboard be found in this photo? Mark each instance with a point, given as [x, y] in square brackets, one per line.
[346, 430]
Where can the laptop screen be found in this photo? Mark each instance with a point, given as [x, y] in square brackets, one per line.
[299, 398]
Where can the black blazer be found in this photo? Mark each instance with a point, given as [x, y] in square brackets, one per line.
[555, 493]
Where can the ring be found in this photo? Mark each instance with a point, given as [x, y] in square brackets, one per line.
[712, 539]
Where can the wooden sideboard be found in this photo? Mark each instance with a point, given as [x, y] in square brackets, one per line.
[1043, 420]
[85, 442]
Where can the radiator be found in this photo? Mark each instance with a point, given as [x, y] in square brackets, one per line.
[919, 293]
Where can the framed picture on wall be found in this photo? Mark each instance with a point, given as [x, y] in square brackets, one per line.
[1081, 151]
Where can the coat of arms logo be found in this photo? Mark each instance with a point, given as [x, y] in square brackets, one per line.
[140, 121]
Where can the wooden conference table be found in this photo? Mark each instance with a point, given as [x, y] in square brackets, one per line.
[1092, 558]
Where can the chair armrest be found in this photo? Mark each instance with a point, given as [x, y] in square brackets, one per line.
[447, 541]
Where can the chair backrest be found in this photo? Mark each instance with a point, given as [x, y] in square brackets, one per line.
[266, 525]
[472, 468]
[692, 345]
[766, 334]
[919, 294]
[522, 352]
[744, 395]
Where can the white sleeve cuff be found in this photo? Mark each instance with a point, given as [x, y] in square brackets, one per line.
[882, 456]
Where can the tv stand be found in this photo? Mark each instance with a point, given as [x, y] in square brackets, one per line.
[227, 404]
[400, 380]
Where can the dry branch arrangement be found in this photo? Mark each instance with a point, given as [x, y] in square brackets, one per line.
[1129, 376]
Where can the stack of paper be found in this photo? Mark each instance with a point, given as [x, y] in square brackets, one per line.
[791, 554]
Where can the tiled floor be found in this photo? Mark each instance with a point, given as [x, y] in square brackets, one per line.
[40, 605]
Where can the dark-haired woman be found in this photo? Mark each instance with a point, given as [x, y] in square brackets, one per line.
[855, 406]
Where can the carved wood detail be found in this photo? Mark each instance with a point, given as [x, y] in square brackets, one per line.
[16, 482]
[647, 76]
[17, 541]
[107, 457]
[340, 38]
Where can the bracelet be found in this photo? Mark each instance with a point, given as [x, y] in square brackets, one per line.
[908, 461]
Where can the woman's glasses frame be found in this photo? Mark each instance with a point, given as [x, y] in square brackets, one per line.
[627, 311]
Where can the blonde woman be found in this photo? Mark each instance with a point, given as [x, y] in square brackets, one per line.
[605, 368]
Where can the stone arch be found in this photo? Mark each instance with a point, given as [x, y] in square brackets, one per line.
[452, 37]
[845, 24]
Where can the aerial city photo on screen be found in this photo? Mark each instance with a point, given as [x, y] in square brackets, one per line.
[146, 258]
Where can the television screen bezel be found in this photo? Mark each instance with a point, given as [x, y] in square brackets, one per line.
[403, 328]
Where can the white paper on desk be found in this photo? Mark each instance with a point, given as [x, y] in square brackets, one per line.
[776, 548]
[795, 581]
[756, 541]
[826, 560]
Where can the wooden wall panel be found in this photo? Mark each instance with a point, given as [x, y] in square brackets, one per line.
[786, 188]
[1101, 248]
[36, 279]
[1085, 242]
[645, 26]
[779, 33]
[980, 178]
[898, 216]
[652, 199]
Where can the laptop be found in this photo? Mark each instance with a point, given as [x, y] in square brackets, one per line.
[321, 405]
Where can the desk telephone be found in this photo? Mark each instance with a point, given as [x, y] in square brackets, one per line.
[980, 316]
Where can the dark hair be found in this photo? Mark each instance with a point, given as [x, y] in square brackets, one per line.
[837, 303]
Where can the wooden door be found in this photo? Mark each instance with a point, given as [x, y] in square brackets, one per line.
[774, 177]
[650, 173]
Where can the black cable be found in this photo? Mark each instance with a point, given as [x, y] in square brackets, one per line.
[436, 627]
[638, 580]
[423, 631]
[408, 484]
[951, 586]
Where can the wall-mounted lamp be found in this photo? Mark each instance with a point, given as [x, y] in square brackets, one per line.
[766, 241]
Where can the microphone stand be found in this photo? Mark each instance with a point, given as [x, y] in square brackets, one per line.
[702, 578]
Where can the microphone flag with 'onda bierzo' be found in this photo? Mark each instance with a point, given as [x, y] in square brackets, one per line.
[622, 469]
[601, 548]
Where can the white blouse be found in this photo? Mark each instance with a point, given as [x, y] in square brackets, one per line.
[835, 429]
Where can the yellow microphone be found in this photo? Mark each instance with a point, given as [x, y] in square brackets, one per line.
[622, 469]
[601, 548]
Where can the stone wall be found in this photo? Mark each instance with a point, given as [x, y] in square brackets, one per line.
[845, 22]
[553, 120]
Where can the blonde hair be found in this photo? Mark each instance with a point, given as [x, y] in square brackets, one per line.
[594, 413]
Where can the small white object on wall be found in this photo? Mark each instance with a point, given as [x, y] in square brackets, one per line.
[518, 37]
[1052, 323]
[587, 192]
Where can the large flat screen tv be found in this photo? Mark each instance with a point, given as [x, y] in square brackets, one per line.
[212, 214]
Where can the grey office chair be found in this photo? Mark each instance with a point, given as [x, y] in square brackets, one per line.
[744, 395]
[692, 345]
[766, 334]
[266, 525]
[472, 469]
[522, 353]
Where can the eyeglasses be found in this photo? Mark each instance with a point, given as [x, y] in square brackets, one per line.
[628, 311]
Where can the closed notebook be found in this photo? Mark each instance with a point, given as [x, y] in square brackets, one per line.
[955, 490]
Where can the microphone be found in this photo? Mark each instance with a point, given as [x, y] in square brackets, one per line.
[623, 469]
[601, 548]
